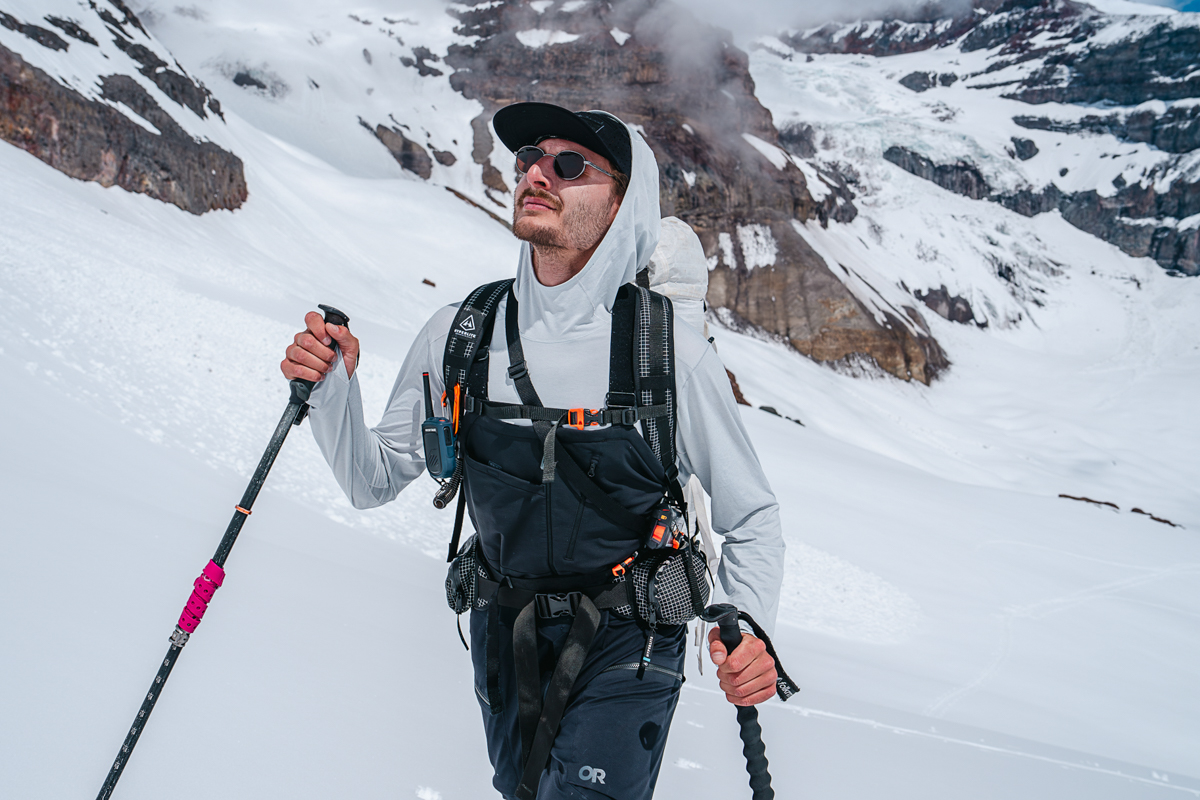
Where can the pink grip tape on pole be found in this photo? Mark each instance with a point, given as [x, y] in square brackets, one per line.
[202, 592]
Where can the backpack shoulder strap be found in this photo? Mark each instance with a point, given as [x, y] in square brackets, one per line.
[642, 371]
[470, 337]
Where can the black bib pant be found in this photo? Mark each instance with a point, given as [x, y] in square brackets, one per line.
[612, 736]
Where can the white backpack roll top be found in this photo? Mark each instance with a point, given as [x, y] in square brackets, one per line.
[679, 270]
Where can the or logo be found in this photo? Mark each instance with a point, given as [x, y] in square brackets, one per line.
[591, 774]
[468, 324]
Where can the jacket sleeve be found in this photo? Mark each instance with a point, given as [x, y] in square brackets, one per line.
[713, 445]
[372, 465]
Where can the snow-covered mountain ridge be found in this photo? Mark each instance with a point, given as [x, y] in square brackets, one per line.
[108, 103]
[1093, 114]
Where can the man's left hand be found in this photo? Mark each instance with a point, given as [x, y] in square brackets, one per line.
[748, 675]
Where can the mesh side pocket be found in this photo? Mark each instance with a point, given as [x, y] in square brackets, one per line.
[462, 579]
[673, 602]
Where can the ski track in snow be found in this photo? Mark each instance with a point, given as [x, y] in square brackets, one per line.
[941, 706]
[982, 746]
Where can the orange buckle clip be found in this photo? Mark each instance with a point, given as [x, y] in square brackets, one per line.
[579, 418]
[619, 569]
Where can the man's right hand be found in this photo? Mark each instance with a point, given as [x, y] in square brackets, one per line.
[311, 354]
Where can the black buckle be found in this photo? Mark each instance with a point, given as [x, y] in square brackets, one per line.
[621, 408]
[620, 400]
[624, 416]
[560, 604]
[517, 371]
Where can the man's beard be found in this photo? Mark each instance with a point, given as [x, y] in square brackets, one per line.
[582, 225]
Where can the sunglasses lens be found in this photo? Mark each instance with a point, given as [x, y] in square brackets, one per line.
[569, 165]
[527, 157]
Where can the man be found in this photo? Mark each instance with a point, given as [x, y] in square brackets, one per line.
[587, 209]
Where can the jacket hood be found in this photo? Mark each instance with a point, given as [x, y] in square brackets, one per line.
[571, 309]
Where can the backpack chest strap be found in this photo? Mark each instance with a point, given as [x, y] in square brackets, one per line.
[578, 418]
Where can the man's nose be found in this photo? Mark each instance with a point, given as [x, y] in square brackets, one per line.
[535, 174]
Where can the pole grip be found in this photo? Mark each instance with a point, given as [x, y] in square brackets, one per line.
[301, 389]
[726, 617]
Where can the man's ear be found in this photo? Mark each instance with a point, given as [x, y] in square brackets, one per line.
[613, 209]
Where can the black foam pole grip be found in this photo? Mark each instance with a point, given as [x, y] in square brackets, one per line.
[755, 752]
[301, 389]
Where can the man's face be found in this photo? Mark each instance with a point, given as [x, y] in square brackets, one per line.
[573, 215]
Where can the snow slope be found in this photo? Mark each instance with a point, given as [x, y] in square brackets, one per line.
[326, 66]
[959, 630]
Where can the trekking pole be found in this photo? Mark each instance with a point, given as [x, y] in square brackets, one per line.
[214, 573]
[726, 617]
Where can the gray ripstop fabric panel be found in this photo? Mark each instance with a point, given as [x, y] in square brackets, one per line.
[654, 371]
[675, 603]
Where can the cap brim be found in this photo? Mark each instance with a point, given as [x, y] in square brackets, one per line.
[523, 124]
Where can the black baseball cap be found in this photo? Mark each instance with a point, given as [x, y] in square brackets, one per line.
[523, 124]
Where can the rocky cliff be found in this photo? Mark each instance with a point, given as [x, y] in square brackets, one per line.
[1144, 71]
[724, 168]
[114, 128]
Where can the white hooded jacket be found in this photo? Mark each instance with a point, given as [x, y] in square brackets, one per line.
[565, 333]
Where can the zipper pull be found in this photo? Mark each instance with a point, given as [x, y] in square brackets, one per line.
[646, 654]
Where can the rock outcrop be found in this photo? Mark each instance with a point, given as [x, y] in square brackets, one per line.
[724, 168]
[1176, 130]
[948, 306]
[1157, 64]
[90, 139]
[960, 177]
[408, 154]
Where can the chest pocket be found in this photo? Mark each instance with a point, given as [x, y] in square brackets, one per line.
[529, 528]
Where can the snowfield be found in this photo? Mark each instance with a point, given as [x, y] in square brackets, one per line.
[959, 630]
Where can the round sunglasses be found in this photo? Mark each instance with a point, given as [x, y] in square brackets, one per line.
[568, 164]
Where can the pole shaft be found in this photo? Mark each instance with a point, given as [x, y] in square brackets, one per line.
[227, 541]
[139, 722]
[256, 481]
